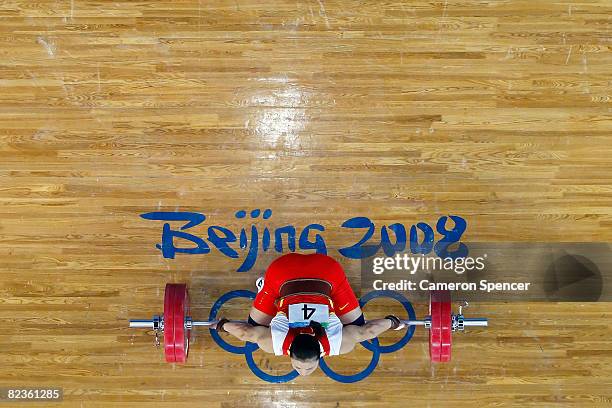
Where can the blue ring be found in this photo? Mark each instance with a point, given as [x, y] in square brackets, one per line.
[347, 379]
[411, 315]
[213, 316]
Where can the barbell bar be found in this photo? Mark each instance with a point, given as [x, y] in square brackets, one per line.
[175, 324]
[151, 323]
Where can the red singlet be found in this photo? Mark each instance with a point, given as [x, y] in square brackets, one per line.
[316, 266]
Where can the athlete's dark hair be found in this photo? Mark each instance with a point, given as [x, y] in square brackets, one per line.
[305, 346]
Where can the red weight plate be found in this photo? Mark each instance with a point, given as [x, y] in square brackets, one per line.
[181, 335]
[446, 330]
[434, 330]
[169, 304]
[441, 327]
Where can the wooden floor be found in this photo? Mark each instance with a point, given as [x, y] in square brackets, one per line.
[494, 111]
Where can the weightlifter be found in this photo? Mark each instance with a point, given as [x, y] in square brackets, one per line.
[306, 309]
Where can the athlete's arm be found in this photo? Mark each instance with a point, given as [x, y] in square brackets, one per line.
[260, 317]
[255, 334]
[352, 335]
[351, 316]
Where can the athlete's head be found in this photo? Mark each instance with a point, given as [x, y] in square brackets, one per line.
[305, 351]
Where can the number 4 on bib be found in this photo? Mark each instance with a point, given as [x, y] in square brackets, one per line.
[300, 314]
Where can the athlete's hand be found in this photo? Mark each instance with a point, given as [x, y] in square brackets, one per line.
[220, 323]
[396, 323]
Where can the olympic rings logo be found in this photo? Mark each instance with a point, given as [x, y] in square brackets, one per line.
[372, 346]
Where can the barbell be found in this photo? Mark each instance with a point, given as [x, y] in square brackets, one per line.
[175, 324]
